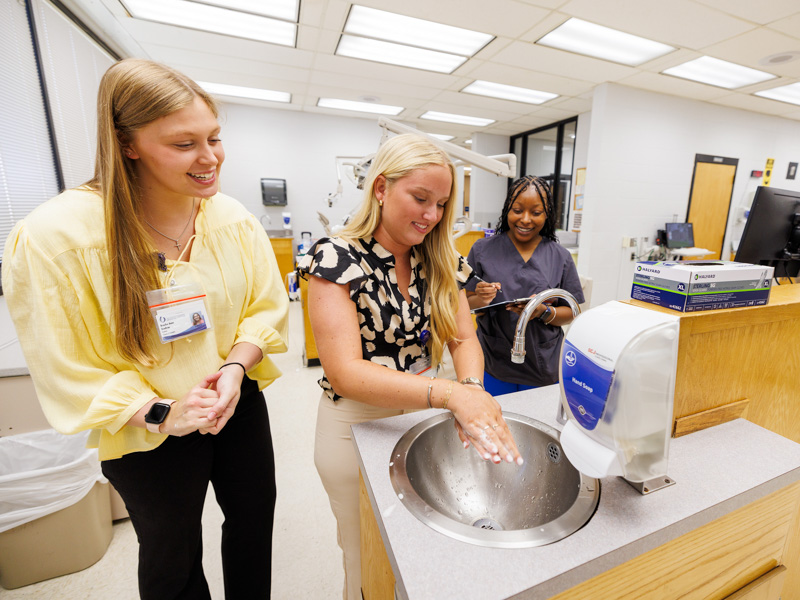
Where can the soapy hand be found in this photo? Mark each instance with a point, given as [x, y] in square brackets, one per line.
[479, 422]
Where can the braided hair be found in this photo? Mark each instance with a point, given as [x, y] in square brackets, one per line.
[543, 188]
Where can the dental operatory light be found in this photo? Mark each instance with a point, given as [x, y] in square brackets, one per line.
[238, 91]
[582, 37]
[720, 73]
[193, 15]
[785, 93]
[508, 92]
[432, 115]
[387, 37]
[367, 107]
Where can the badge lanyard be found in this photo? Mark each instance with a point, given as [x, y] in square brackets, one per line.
[422, 366]
[179, 310]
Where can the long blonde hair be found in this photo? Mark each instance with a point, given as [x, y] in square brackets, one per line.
[396, 159]
[132, 94]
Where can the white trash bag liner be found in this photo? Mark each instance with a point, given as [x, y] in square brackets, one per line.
[43, 472]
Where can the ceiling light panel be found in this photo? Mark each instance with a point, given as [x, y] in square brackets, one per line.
[508, 92]
[597, 41]
[285, 10]
[397, 54]
[720, 73]
[460, 119]
[368, 107]
[372, 23]
[785, 93]
[214, 19]
[441, 136]
[223, 89]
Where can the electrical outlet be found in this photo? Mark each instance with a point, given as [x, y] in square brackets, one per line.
[626, 241]
[633, 255]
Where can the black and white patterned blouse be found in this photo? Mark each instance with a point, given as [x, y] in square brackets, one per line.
[390, 326]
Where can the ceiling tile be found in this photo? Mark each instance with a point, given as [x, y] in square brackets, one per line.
[484, 103]
[757, 12]
[673, 86]
[789, 25]
[558, 62]
[545, 82]
[756, 104]
[507, 18]
[749, 48]
[677, 22]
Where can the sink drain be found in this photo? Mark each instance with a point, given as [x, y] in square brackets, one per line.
[554, 453]
[486, 523]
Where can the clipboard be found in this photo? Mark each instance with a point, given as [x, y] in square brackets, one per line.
[499, 305]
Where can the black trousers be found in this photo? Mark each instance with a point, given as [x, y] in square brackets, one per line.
[164, 490]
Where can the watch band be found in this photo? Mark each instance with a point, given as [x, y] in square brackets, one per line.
[155, 427]
[472, 381]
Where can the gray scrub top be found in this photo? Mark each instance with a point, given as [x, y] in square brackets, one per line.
[551, 266]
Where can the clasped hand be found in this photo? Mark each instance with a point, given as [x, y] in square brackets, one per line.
[208, 406]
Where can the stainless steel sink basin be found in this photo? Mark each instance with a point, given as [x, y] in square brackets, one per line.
[502, 506]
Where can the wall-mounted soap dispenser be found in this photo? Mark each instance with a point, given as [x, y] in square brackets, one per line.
[618, 365]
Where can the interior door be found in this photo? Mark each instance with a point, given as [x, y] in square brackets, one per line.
[710, 201]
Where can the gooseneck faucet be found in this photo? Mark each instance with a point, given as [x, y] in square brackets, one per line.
[518, 350]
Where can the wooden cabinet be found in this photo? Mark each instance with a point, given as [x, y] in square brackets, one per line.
[736, 557]
[310, 354]
[743, 362]
[284, 253]
[464, 243]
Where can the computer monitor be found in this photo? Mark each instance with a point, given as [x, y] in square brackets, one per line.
[273, 191]
[771, 235]
[679, 235]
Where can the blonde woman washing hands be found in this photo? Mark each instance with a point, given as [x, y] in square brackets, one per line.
[384, 300]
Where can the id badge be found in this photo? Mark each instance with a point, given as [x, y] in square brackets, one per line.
[179, 311]
[422, 366]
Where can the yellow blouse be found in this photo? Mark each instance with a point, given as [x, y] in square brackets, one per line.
[58, 289]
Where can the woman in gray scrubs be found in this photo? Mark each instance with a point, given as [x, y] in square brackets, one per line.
[522, 259]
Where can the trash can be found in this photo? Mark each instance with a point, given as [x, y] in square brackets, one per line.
[55, 508]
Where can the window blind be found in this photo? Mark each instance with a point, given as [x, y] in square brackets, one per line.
[27, 167]
[73, 64]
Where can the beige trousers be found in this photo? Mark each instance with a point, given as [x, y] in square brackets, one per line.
[335, 458]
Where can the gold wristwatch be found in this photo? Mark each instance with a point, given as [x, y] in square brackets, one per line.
[473, 381]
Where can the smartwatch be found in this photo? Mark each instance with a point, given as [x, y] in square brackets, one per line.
[545, 314]
[157, 415]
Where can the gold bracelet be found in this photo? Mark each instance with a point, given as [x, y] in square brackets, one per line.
[447, 397]
[430, 387]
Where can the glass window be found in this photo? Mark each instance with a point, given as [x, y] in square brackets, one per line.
[548, 152]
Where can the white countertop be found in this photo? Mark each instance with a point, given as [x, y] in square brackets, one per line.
[717, 470]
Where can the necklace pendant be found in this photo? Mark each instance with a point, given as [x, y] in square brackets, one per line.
[178, 246]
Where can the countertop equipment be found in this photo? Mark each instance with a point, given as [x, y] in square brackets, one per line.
[617, 372]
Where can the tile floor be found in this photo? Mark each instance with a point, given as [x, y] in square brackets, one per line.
[307, 563]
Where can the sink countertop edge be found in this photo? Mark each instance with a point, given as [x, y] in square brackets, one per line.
[705, 491]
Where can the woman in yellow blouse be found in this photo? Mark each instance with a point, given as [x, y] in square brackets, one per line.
[103, 283]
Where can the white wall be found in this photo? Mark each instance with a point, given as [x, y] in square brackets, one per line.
[640, 159]
[487, 191]
[298, 147]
